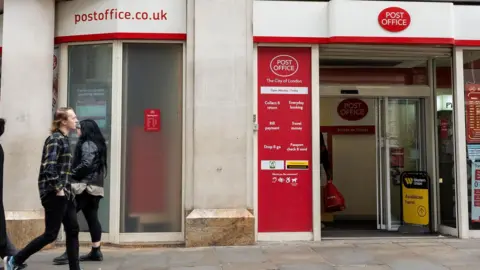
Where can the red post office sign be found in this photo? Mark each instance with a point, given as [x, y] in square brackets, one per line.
[394, 19]
[284, 140]
[352, 109]
[151, 120]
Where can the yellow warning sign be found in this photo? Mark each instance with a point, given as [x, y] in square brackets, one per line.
[415, 199]
[297, 164]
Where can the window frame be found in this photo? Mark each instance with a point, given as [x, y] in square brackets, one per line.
[116, 146]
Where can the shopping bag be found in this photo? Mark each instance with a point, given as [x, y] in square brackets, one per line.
[334, 200]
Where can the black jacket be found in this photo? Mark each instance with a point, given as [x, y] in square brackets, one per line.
[87, 168]
[2, 158]
[324, 157]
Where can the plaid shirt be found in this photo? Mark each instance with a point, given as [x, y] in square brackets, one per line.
[55, 170]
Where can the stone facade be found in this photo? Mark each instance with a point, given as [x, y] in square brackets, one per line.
[21, 232]
[219, 227]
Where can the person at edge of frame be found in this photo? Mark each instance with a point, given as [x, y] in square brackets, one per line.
[56, 193]
[325, 163]
[6, 246]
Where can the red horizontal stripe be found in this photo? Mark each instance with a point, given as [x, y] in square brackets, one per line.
[467, 42]
[309, 40]
[265, 39]
[345, 39]
[391, 40]
[125, 36]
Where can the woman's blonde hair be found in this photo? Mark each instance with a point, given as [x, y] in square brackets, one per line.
[61, 114]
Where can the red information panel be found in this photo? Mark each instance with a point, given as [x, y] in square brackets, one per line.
[472, 112]
[284, 140]
[397, 157]
[151, 120]
[444, 129]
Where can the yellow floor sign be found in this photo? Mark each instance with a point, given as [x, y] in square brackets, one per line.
[415, 199]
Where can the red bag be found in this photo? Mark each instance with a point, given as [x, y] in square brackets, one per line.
[333, 199]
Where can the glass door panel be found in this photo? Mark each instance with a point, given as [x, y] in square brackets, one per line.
[379, 133]
[400, 149]
[445, 143]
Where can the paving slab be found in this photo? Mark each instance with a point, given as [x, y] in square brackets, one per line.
[303, 266]
[250, 266]
[364, 267]
[185, 257]
[348, 257]
[252, 254]
[415, 264]
[371, 254]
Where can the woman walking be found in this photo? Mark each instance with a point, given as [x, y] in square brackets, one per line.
[89, 171]
[55, 193]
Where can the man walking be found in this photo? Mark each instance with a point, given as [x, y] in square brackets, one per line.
[55, 193]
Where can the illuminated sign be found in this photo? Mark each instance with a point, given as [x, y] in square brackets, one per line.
[444, 103]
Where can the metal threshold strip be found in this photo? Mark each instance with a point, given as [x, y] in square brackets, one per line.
[388, 238]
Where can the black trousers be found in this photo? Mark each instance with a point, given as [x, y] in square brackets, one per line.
[58, 210]
[8, 250]
[6, 246]
[89, 204]
[3, 228]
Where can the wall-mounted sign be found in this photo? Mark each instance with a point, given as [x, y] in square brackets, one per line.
[107, 19]
[444, 103]
[397, 157]
[472, 106]
[284, 65]
[151, 120]
[444, 126]
[394, 19]
[352, 109]
[284, 140]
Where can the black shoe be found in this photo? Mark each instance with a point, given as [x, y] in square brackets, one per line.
[94, 255]
[61, 260]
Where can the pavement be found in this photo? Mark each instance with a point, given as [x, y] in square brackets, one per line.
[380, 254]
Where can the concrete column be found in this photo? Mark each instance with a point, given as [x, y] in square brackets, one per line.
[222, 117]
[26, 104]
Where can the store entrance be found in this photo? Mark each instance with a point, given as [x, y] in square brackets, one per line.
[369, 141]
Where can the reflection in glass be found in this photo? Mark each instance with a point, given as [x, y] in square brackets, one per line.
[445, 139]
[89, 94]
[152, 161]
[402, 129]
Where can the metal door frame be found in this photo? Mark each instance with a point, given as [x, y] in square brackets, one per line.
[384, 203]
[424, 94]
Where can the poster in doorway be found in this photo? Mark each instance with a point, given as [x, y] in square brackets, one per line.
[284, 140]
[56, 55]
[472, 117]
[91, 102]
[474, 156]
